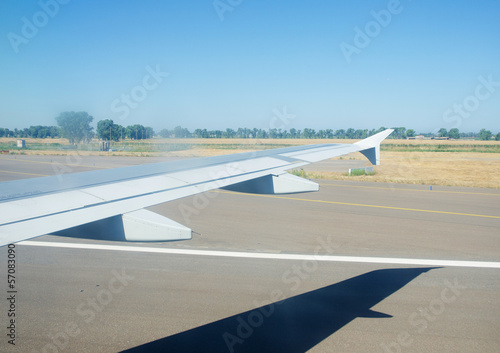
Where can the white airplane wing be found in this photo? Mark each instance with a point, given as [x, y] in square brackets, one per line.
[113, 200]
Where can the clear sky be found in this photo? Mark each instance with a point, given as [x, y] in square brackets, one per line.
[422, 64]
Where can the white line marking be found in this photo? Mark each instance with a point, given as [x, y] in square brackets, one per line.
[251, 255]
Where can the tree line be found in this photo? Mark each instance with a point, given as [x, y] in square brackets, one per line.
[75, 126]
[108, 130]
[37, 131]
[399, 133]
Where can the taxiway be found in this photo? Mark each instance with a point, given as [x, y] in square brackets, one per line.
[292, 293]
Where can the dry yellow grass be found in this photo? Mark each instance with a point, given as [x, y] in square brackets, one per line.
[430, 168]
[33, 140]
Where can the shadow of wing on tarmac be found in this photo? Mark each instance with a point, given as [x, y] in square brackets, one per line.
[295, 324]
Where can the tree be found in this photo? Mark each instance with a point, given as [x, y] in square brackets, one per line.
[360, 134]
[165, 133]
[410, 133]
[54, 131]
[399, 133]
[255, 132]
[340, 134]
[198, 133]
[497, 137]
[135, 132]
[454, 133]
[230, 133]
[149, 132]
[350, 133]
[109, 131]
[309, 133]
[442, 132]
[485, 135]
[216, 133]
[181, 132]
[75, 126]
[259, 133]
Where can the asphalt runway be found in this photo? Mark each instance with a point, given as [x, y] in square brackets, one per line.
[355, 267]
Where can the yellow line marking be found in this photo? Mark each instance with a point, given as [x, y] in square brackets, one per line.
[425, 190]
[364, 205]
[7, 171]
[40, 162]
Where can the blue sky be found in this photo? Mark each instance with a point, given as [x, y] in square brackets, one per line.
[422, 64]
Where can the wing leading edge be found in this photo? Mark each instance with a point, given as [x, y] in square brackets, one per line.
[112, 201]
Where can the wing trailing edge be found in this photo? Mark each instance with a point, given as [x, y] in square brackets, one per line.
[275, 184]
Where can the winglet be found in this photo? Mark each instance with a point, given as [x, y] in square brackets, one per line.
[374, 140]
[370, 146]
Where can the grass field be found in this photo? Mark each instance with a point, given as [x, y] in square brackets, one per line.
[430, 162]
[470, 169]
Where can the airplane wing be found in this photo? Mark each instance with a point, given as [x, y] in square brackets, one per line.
[113, 200]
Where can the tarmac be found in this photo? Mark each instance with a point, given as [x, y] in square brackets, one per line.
[355, 267]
